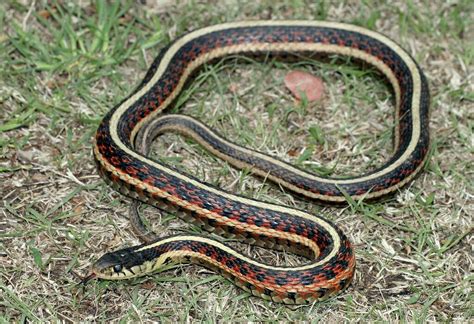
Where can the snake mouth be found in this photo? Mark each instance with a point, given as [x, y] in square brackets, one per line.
[122, 264]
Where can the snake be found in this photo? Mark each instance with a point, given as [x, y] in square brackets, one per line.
[130, 125]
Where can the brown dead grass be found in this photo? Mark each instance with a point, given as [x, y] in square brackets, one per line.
[57, 216]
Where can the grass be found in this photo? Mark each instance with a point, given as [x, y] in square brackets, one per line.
[64, 65]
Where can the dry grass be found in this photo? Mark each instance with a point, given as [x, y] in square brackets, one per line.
[64, 65]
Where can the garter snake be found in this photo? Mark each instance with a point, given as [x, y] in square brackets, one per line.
[332, 260]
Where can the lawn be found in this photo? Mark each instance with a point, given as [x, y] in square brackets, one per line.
[64, 64]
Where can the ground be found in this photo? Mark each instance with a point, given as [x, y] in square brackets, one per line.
[64, 64]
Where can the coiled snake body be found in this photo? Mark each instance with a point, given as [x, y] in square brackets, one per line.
[332, 257]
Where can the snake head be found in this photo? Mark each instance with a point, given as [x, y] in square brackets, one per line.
[123, 264]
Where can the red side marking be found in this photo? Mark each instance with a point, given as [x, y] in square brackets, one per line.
[316, 191]
[115, 160]
[131, 170]
[281, 227]
[395, 180]
[104, 148]
[215, 210]
[149, 180]
[131, 124]
[320, 278]
[235, 215]
[251, 220]
[144, 169]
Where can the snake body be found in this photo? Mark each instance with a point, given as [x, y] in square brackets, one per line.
[332, 260]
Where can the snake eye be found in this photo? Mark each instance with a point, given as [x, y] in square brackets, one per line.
[117, 268]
